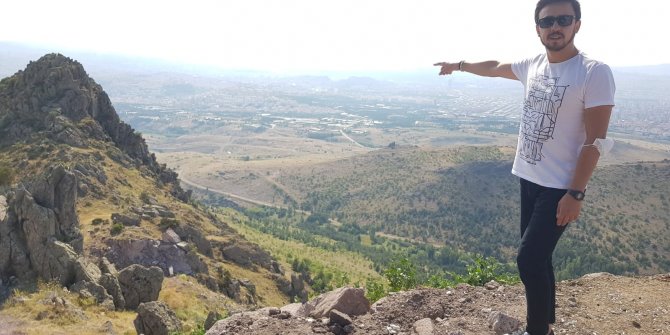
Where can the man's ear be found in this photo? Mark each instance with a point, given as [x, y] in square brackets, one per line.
[578, 24]
[537, 29]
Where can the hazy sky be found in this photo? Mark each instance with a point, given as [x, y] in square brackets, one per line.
[332, 35]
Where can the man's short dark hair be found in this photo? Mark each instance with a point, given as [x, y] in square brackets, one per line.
[542, 3]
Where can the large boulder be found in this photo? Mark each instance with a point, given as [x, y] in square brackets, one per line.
[350, 301]
[156, 318]
[140, 284]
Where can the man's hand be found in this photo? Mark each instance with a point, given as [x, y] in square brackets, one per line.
[446, 68]
[568, 210]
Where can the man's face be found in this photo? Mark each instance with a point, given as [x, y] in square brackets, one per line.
[557, 37]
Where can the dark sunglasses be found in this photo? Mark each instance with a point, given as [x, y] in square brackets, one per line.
[548, 21]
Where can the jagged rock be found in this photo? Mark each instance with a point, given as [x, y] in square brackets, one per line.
[502, 323]
[170, 236]
[107, 267]
[156, 318]
[86, 271]
[113, 288]
[351, 301]
[140, 284]
[194, 235]
[88, 289]
[126, 220]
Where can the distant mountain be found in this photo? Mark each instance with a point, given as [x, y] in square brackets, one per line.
[653, 70]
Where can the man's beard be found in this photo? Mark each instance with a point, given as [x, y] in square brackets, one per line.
[548, 46]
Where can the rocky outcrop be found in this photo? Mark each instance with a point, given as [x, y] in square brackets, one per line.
[55, 98]
[40, 233]
[180, 256]
[156, 318]
[140, 284]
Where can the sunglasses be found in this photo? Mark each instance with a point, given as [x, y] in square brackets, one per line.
[548, 21]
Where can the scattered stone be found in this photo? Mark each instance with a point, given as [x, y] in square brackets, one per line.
[492, 285]
[502, 323]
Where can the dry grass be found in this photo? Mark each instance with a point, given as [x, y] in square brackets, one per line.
[33, 311]
[192, 302]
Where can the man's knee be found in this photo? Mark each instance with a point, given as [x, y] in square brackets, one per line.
[530, 265]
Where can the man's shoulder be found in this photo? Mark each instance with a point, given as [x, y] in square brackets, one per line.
[591, 63]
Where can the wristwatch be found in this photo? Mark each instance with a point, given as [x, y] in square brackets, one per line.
[577, 194]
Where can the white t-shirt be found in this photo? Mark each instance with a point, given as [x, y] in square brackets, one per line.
[552, 129]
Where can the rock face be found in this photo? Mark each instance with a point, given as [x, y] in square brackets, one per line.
[40, 233]
[140, 284]
[154, 252]
[156, 318]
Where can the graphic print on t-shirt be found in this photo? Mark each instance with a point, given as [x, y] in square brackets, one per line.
[540, 111]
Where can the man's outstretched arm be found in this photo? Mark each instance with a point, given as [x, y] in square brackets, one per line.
[490, 68]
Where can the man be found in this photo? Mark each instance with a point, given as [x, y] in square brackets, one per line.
[568, 103]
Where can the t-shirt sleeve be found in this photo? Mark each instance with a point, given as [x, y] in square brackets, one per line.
[600, 87]
[520, 69]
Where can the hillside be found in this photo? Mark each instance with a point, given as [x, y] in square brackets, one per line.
[464, 199]
[83, 201]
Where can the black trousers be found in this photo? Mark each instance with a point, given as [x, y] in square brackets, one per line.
[539, 236]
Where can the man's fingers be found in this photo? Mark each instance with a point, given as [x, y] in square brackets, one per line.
[440, 64]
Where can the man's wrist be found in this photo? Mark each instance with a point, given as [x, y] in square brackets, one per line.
[577, 194]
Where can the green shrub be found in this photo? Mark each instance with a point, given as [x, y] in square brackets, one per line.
[483, 270]
[117, 228]
[401, 275]
[374, 290]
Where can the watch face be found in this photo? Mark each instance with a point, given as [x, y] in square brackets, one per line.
[578, 195]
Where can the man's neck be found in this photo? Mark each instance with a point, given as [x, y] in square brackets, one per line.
[562, 55]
